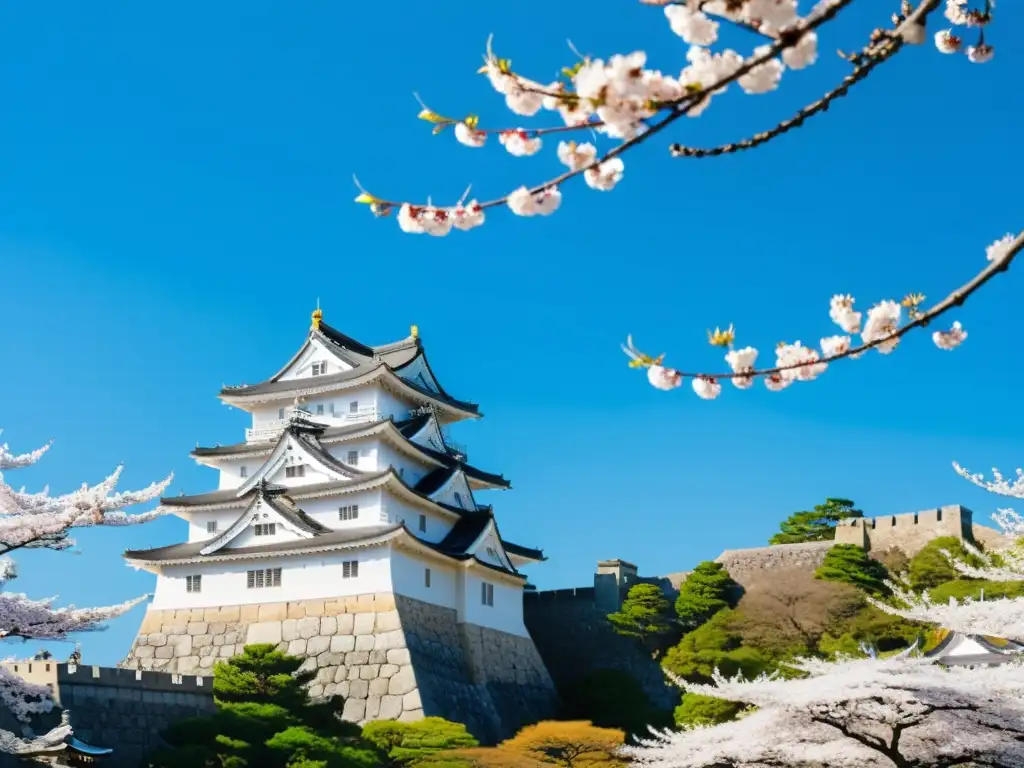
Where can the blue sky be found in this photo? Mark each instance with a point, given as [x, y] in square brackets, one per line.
[175, 195]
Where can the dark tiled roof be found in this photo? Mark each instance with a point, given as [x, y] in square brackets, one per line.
[191, 549]
[464, 533]
[296, 492]
[520, 551]
[284, 506]
[287, 385]
[434, 480]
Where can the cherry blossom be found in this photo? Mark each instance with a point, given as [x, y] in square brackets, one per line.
[950, 339]
[39, 520]
[901, 711]
[706, 388]
[577, 156]
[959, 14]
[693, 26]
[947, 42]
[519, 142]
[605, 176]
[468, 136]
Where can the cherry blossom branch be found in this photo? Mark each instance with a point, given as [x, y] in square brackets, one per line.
[880, 332]
[544, 198]
[863, 68]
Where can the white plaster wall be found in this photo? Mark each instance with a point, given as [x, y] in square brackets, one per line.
[230, 470]
[398, 511]
[325, 510]
[410, 470]
[505, 615]
[389, 405]
[303, 577]
[316, 352]
[247, 536]
[311, 476]
[491, 542]
[407, 578]
[366, 449]
[198, 520]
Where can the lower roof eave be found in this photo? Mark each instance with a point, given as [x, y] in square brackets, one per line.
[411, 542]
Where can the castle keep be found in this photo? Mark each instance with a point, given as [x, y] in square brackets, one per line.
[345, 530]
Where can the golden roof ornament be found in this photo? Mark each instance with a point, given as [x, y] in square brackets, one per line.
[317, 316]
[414, 331]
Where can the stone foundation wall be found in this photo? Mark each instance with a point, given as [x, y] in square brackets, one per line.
[389, 657]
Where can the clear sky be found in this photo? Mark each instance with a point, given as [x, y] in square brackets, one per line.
[175, 195]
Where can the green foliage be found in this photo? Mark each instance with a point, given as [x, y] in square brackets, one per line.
[872, 627]
[705, 592]
[695, 709]
[717, 644]
[644, 614]
[611, 698]
[850, 564]
[818, 524]
[961, 589]
[414, 742]
[929, 568]
[264, 719]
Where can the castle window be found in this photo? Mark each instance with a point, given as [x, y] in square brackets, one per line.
[423, 523]
[350, 569]
[938, 515]
[426, 577]
[491, 551]
[915, 518]
[265, 529]
[894, 519]
[353, 458]
[319, 409]
[211, 526]
[487, 593]
[296, 470]
[280, 413]
[350, 512]
[243, 471]
[319, 369]
[47, 667]
[262, 578]
[193, 583]
[353, 407]
[458, 499]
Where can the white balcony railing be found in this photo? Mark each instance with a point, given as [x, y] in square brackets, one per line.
[268, 430]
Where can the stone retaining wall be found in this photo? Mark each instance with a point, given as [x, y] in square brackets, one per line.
[389, 657]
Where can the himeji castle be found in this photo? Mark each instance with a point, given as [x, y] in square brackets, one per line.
[346, 530]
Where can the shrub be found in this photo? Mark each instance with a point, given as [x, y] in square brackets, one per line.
[850, 564]
[706, 591]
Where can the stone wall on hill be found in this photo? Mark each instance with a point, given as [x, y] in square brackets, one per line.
[389, 657]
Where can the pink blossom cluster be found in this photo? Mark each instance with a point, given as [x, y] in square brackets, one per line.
[960, 15]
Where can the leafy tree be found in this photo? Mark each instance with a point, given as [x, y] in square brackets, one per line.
[644, 615]
[705, 592]
[611, 698]
[264, 719]
[571, 744]
[695, 709]
[413, 743]
[818, 524]
[716, 644]
[850, 564]
[930, 567]
[869, 626]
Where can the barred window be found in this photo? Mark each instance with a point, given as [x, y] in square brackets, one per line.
[353, 458]
[296, 470]
[423, 523]
[211, 526]
[487, 593]
[351, 512]
[265, 529]
[350, 569]
[426, 577]
[263, 577]
[193, 583]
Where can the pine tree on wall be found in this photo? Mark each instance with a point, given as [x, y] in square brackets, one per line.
[42, 521]
[644, 615]
[818, 524]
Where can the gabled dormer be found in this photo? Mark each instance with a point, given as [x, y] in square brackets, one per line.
[270, 519]
[299, 459]
[448, 486]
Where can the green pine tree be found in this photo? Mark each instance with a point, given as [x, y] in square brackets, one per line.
[850, 564]
[643, 615]
[818, 524]
[706, 591]
[264, 719]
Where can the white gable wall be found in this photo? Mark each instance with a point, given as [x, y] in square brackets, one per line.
[408, 578]
[316, 352]
[390, 405]
[490, 551]
[230, 470]
[410, 470]
[303, 577]
[366, 453]
[197, 530]
[455, 493]
[418, 374]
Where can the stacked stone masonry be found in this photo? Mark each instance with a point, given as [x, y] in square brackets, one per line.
[389, 657]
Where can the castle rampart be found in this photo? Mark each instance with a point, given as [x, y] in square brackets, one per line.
[907, 532]
[121, 709]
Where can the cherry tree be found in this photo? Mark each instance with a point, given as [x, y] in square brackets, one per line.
[44, 521]
[625, 102]
[996, 618]
[901, 711]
